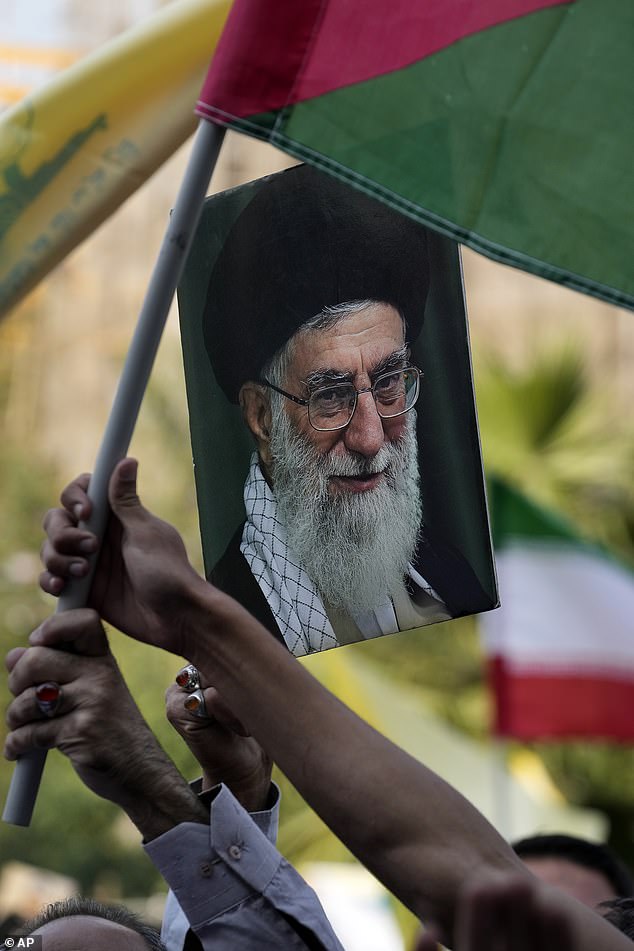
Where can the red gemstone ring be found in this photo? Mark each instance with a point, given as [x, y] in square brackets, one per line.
[188, 678]
[48, 697]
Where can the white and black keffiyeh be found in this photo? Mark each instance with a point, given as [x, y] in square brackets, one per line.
[289, 591]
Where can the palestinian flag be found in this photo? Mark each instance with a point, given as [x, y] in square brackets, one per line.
[561, 648]
[505, 124]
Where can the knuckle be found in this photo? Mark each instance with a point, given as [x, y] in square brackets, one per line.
[13, 717]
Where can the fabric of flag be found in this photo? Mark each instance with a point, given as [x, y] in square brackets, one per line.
[561, 647]
[506, 125]
[72, 152]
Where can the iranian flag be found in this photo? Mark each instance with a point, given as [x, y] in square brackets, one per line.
[505, 124]
[561, 647]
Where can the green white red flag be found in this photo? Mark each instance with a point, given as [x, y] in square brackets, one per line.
[505, 124]
[561, 647]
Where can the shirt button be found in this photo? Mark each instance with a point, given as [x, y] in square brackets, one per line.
[234, 852]
[205, 869]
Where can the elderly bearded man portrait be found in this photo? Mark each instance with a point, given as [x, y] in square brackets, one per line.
[312, 306]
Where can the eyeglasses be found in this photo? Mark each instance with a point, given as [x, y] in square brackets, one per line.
[332, 407]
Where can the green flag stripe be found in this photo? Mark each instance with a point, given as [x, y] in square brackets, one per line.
[516, 519]
[513, 141]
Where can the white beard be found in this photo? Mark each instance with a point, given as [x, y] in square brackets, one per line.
[354, 546]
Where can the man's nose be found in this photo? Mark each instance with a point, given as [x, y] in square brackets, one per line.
[364, 433]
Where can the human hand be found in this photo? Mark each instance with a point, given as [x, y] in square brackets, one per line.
[143, 578]
[222, 747]
[511, 914]
[96, 724]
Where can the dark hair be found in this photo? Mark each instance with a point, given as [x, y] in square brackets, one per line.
[72, 907]
[620, 913]
[592, 855]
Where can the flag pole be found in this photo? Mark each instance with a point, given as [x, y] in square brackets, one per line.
[127, 403]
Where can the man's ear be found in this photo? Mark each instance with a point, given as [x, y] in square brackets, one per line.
[256, 411]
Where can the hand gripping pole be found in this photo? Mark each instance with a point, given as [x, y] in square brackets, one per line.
[127, 403]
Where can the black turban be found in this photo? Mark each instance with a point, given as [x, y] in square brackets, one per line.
[304, 242]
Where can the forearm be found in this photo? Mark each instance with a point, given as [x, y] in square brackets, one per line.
[411, 829]
[253, 795]
[144, 782]
[402, 832]
[163, 801]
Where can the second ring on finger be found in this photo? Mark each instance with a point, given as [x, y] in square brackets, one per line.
[195, 704]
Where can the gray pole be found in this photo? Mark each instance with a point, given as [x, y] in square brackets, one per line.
[127, 403]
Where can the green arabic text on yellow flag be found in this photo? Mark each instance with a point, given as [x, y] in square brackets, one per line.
[74, 151]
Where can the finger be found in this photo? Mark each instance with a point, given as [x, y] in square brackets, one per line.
[25, 708]
[51, 584]
[218, 709]
[58, 521]
[477, 925]
[40, 664]
[65, 544]
[188, 678]
[174, 709]
[552, 929]
[13, 657]
[195, 705]
[178, 701]
[517, 907]
[40, 735]
[214, 709]
[81, 627]
[74, 497]
[122, 491]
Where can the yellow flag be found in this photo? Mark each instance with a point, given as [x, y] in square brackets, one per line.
[73, 152]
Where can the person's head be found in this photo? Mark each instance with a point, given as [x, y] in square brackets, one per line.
[589, 871]
[349, 497]
[88, 925]
[620, 913]
[344, 282]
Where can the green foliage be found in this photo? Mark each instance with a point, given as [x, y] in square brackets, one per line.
[445, 662]
[558, 439]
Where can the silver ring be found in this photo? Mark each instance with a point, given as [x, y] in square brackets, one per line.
[188, 678]
[48, 697]
[195, 704]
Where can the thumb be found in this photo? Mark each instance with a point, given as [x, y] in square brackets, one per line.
[122, 493]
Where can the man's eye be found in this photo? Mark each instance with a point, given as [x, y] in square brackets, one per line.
[389, 386]
[328, 396]
[332, 402]
[333, 396]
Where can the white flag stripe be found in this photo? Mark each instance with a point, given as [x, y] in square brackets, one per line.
[563, 609]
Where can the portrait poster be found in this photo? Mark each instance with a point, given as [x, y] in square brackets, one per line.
[334, 433]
